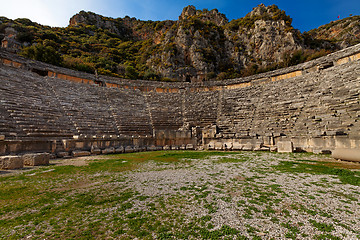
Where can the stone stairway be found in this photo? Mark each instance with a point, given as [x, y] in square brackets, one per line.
[7, 126]
[129, 109]
[86, 107]
[201, 108]
[237, 111]
[166, 111]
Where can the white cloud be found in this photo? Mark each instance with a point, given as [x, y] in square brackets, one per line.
[58, 12]
[53, 13]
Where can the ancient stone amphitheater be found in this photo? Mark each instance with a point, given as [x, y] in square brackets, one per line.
[310, 107]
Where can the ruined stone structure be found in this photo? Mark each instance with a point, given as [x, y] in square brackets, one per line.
[311, 107]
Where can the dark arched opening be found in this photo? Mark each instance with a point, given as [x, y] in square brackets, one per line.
[42, 73]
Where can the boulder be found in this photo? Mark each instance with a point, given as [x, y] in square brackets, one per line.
[11, 162]
[110, 150]
[95, 150]
[325, 151]
[80, 153]
[63, 154]
[167, 148]
[37, 159]
[129, 149]
[316, 151]
[285, 147]
[264, 149]
[273, 149]
[119, 149]
[347, 154]
[190, 147]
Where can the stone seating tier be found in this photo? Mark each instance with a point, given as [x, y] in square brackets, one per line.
[310, 103]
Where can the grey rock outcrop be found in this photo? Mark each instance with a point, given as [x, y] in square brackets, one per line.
[115, 26]
[204, 42]
[205, 15]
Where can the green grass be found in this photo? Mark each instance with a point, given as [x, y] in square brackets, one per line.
[293, 230]
[238, 158]
[69, 194]
[327, 237]
[178, 155]
[324, 227]
[102, 200]
[345, 176]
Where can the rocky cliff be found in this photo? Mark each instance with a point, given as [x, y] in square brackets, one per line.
[203, 44]
[342, 33]
[200, 45]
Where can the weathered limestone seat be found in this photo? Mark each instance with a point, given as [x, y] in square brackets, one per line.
[36, 159]
[201, 109]
[129, 112]
[309, 105]
[166, 116]
[84, 107]
[29, 111]
[11, 162]
[347, 154]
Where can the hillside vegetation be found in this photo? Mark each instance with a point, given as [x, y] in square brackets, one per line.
[201, 45]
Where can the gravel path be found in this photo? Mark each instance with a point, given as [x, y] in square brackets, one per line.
[244, 195]
[252, 197]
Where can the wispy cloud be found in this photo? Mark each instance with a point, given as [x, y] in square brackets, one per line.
[52, 13]
[58, 12]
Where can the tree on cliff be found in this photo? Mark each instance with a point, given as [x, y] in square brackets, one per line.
[42, 53]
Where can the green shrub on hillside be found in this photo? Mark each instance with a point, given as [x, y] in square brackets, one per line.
[42, 53]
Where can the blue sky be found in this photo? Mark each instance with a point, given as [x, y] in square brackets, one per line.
[306, 14]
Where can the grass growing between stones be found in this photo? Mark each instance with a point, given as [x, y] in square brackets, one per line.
[344, 175]
[183, 195]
